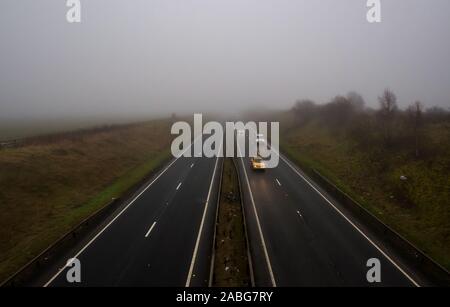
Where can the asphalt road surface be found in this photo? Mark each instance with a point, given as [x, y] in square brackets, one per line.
[162, 237]
[300, 236]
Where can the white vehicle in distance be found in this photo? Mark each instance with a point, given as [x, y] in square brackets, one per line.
[260, 138]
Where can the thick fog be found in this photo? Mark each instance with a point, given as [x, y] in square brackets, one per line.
[158, 56]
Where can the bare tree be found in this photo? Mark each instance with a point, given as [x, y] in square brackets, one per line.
[304, 110]
[388, 109]
[356, 100]
[338, 112]
[437, 114]
[415, 115]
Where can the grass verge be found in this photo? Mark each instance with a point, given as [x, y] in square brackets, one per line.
[418, 208]
[47, 188]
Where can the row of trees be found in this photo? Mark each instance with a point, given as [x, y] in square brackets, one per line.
[388, 126]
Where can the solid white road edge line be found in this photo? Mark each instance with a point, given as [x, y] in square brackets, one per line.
[266, 254]
[197, 243]
[348, 220]
[118, 215]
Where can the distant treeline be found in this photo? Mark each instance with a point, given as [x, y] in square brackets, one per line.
[385, 128]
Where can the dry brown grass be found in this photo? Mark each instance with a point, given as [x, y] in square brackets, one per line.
[51, 184]
[419, 208]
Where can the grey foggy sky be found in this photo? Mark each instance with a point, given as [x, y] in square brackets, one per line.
[153, 56]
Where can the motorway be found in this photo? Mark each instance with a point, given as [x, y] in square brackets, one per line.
[162, 237]
[299, 236]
